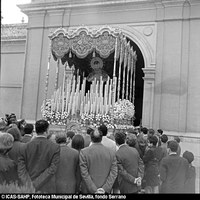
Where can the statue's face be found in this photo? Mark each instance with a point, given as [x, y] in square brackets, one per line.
[96, 63]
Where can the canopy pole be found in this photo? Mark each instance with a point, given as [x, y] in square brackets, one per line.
[47, 75]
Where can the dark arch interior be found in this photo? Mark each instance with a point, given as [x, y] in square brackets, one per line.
[82, 67]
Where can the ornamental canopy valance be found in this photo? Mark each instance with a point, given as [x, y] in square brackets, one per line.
[83, 41]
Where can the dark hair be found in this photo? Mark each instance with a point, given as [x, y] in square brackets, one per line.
[77, 142]
[11, 118]
[120, 138]
[132, 131]
[103, 129]
[144, 130]
[14, 131]
[153, 140]
[96, 135]
[173, 145]
[151, 131]
[28, 128]
[189, 156]
[41, 126]
[177, 139]
[131, 139]
[164, 138]
[160, 131]
[70, 134]
[60, 138]
[89, 130]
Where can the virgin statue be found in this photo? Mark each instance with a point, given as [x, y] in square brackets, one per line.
[97, 65]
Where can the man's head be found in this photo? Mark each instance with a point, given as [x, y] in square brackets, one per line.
[164, 138]
[89, 130]
[61, 138]
[151, 132]
[160, 131]
[189, 156]
[120, 138]
[103, 129]
[131, 139]
[70, 134]
[41, 126]
[96, 135]
[153, 140]
[177, 139]
[173, 145]
[28, 129]
[144, 130]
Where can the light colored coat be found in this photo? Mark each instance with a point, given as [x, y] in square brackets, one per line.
[98, 167]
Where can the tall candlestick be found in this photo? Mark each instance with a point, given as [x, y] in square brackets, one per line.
[124, 69]
[115, 58]
[128, 69]
[120, 64]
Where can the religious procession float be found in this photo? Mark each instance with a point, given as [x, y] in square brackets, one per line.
[101, 86]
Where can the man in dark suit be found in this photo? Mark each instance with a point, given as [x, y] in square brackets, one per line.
[98, 166]
[68, 172]
[173, 171]
[130, 166]
[39, 160]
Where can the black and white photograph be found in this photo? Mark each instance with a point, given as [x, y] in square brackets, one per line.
[99, 99]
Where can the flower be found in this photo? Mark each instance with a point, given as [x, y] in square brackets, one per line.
[123, 110]
[121, 115]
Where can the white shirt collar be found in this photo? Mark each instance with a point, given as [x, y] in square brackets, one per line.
[41, 136]
[172, 153]
[122, 145]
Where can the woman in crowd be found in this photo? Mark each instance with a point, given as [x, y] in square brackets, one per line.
[151, 162]
[8, 167]
[17, 145]
[77, 142]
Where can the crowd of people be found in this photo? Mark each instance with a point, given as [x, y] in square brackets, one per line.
[128, 161]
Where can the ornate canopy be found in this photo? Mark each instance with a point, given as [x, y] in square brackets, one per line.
[83, 41]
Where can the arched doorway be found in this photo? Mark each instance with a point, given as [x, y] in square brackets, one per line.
[139, 84]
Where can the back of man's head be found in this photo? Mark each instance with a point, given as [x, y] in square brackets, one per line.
[153, 140]
[28, 129]
[41, 126]
[173, 145]
[103, 129]
[144, 130]
[160, 131]
[131, 139]
[151, 131]
[70, 134]
[177, 139]
[89, 130]
[96, 135]
[164, 138]
[120, 138]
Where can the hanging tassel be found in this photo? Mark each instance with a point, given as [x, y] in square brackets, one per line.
[93, 54]
[70, 54]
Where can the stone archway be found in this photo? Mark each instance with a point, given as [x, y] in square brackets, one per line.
[147, 52]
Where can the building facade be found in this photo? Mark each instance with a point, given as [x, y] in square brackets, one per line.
[165, 33]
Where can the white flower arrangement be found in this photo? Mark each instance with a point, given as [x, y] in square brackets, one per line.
[123, 110]
[120, 115]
